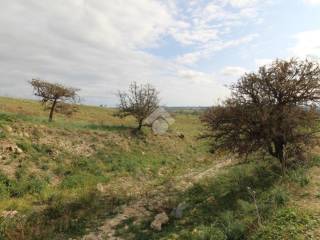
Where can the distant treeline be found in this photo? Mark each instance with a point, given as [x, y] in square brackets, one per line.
[187, 110]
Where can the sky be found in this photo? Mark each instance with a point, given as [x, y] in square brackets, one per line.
[190, 50]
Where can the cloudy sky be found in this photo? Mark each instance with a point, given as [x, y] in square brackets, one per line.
[188, 49]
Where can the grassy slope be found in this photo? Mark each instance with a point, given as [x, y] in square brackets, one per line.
[55, 179]
[76, 172]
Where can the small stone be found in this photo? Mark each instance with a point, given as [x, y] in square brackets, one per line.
[101, 188]
[26, 135]
[178, 211]
[7, 128]
[159, 220]
[18, 150]
[10, 148]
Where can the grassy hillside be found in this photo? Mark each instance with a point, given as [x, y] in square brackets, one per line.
[89, 177]
[55, 177]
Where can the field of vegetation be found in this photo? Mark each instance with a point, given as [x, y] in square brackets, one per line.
[88, 176]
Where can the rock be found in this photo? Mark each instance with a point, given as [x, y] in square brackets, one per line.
[159, 220]
[13, 148]
[10, 148]
[178, 211]
[26, 135]
[180, 135]
[101, 188]
[7, 128]
[18, 150]
[9, 214]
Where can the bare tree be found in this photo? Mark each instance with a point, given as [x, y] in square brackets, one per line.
[140, 101]
[55, 97]
[274, 110]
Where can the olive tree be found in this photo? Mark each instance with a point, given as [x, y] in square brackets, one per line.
[55, 97]
[140, 101]
[273, 110]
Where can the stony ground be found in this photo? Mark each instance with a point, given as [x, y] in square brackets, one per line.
[155, 202]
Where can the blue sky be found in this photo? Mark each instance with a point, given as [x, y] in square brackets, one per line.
[189, 50]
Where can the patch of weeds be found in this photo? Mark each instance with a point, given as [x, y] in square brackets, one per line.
[6, 117]
[42, 149]
[4, 192]
[233, 228]
[204, 233]
[102, 127]
[123, 163]
[27, 185]
[287, 223]
[64, 217]
[89, 165]
[44, 167]
[280, 196]
[298, 176]
[81, 179]
[21, 186]
[2, 134]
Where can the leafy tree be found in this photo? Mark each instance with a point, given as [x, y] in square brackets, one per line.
[55, 97]
[140, 101]
[274, 110]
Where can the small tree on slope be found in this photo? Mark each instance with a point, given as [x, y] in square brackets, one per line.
[274, 110]
[55, 97]
[140, 101]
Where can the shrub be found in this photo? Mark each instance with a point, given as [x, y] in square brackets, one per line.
[233, 228]
[273, 110]
[280, 196]
[4, 193]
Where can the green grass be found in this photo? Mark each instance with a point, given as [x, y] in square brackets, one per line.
[222, 208]
[63, 161]
[53, 183]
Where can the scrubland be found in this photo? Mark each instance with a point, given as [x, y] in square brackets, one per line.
[88, 176]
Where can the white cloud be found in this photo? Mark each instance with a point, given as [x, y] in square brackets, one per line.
[242, 3]
[194, 76]
[92, 48]
[99, 46]
[312, 2]
[307, 44]
[212, 48]
[233, 71]
[203, 23]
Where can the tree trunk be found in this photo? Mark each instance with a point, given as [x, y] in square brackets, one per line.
[52, 110]
[140, 125]
[279, 152]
